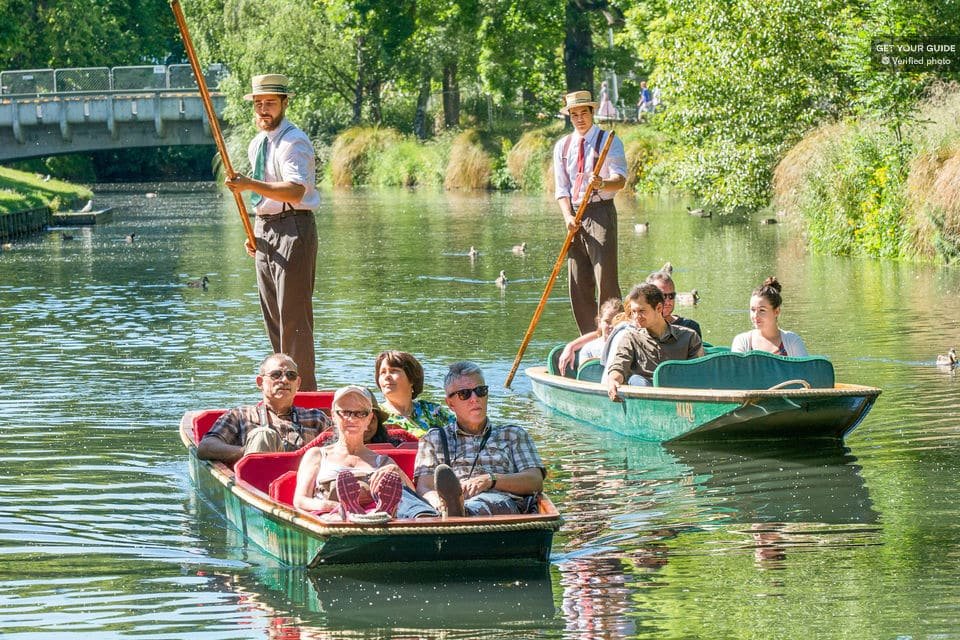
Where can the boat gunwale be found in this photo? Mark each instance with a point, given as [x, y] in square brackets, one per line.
[540, 375]
[314, 525]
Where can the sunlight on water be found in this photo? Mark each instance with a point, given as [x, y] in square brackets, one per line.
[102, 534]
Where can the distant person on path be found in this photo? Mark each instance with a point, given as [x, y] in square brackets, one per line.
[767, 335]
[648, 342]
[472, 467]
[592, 259]
[273, 424]
[606, 111]
[645, 102]
[284, 197]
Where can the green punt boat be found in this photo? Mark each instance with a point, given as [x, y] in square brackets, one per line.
[722, 396]
[256, 497]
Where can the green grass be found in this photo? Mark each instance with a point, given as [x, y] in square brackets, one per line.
[21, 191]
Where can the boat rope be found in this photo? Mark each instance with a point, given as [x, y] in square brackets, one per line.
[452, 529]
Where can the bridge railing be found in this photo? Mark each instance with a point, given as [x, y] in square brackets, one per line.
[36, 82]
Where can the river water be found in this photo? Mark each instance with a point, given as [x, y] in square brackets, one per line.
[102, 534]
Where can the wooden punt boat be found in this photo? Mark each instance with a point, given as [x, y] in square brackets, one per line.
[256, 496]
[721, 396]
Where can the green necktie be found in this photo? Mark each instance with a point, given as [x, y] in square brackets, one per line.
[259, 169]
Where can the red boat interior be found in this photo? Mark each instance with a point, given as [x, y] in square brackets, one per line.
[276, 473]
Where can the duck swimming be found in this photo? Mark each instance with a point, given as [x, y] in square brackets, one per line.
[948, 360]
[641, 227]
[520, 248]
[501, 280]
[473, 253]
[199, 284]
[688, 299]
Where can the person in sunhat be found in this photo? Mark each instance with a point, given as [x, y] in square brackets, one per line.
[592, 258]
[284, 195]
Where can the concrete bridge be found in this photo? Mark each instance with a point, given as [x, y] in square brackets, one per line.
[46, 112]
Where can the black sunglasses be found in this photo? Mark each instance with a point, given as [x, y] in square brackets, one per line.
[670, 296]
[464, 394]
[276, 374]
[346, 414]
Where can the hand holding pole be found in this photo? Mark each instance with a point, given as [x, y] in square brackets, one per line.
[211, 116]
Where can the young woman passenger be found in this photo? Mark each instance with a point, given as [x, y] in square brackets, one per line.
[346, 477]
[590, 345]
[399, 376]
[767, 335]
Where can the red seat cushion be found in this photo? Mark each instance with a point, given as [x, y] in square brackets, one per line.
[282, 489]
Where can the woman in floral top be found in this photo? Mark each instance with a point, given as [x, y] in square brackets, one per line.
[400, 377]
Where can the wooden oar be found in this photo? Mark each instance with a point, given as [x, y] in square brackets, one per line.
[211, 116]
[559, 264]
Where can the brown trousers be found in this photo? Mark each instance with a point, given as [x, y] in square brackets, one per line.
[286, 271]
[592, 264]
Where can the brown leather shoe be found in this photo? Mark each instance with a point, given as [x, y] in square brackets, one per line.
[448, 488]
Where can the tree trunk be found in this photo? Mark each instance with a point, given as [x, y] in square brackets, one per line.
[358, 85]
[451, 96]
[373, 95]
[423, 95]
[578, 49]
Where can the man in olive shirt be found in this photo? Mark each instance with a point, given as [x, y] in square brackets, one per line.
[650, 341]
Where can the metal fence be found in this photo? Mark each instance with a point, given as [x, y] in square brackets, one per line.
[34, 82]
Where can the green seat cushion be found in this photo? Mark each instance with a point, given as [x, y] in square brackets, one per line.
[591, 370]
[752, 370]
[553, 361]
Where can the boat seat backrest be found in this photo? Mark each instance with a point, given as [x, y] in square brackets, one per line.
[752, 370]
[553, 362]
[260, 469]
[202, 422]
[404, 457]
[283, 487]
[591, 370]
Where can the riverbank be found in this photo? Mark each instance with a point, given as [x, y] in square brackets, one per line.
[22, 191]
[860, 191]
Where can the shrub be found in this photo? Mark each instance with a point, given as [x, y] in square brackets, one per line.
[471, 164]
[354, 154]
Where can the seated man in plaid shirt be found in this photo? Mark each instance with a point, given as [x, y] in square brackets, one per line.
[273, 424]
[472, 467]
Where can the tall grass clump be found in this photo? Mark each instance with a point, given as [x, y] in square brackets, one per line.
[852, 197]
[408, 163]
[643, 147]
[530, 160]
[861, 192]
[472, 162]
[354, 154]
[933, 185]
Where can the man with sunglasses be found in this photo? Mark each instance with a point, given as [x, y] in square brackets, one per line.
[273, 424]
[472, 467]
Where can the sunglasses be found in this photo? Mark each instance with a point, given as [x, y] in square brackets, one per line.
[670, 296]
[276, 374]
[464, 394]
[346, 414]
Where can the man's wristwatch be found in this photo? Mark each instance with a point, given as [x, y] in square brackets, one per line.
[493, 480]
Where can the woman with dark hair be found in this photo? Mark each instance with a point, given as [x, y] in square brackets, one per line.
[767, 335]
[399, 376]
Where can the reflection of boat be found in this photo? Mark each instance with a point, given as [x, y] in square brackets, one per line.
[426, 596]
[723, 396]
[255, 498]
[775, 483]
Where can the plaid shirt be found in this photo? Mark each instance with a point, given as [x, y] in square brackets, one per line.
[296, 429]
[508, 450]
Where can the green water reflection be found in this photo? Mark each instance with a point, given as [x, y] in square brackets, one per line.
[102, 535]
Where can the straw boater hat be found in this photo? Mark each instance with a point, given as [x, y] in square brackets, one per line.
[274, 84]
[577, 99]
